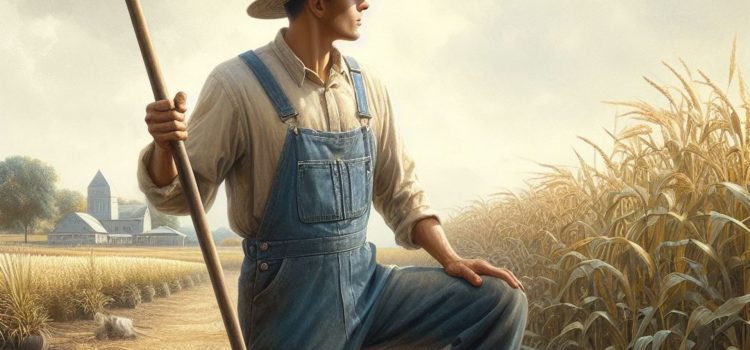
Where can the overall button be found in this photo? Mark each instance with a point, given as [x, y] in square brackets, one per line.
[264, 266]
[264, 246]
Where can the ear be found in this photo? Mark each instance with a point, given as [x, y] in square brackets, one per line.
[317, 7]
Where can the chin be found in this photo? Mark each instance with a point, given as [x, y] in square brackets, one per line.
[350, 36]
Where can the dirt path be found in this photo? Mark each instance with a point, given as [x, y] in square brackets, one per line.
[188, 319]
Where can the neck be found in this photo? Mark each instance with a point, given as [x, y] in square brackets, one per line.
[311, 44]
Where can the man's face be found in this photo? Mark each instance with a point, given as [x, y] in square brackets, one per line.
[343, 18]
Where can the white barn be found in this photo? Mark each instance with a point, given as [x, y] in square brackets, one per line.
[105, 222]
[78, 228]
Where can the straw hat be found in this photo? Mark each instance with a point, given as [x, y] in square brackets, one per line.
[267, 9]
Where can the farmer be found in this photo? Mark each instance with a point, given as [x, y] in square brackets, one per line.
[306, 140]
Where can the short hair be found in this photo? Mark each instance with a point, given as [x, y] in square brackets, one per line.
[294, 7]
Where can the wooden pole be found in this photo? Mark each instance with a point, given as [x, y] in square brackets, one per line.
[189, 186]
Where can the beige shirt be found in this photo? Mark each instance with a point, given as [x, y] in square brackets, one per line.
[235, 134]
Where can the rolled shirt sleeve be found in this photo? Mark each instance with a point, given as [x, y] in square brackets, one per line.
[397, 194]
[214, 143]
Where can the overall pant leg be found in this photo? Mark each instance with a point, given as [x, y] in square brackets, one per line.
[425, 308]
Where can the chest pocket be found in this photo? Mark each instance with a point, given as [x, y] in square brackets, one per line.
[330, 190]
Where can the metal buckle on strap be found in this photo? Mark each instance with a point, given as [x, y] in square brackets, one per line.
[292, 126]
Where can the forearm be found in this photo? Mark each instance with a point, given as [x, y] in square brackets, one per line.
[161, 167]
[428, 233]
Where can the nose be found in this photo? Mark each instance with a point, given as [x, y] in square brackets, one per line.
[363, 5]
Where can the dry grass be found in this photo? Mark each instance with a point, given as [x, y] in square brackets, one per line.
[403, 257]
[11, 238]
[35, 289]
[230, 257]
[650, 251]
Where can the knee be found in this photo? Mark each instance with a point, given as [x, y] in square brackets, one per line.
[512, 300]
[521, 302]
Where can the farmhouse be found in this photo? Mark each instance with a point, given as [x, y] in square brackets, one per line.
[106, 222]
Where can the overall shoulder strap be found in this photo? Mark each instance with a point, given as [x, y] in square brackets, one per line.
[359, 87]
[270, 85]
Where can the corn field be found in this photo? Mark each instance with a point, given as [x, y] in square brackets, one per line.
[35, 290]
[650, 250]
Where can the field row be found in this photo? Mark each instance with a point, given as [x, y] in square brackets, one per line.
[36, 289]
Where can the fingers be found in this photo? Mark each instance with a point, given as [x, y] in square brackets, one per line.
[164, 116]
[164, 138]
[469, 275]
[470, 270]
[166, 126]
[166, 120]
[484, 267]
[520, 284]
[180, 102]
[160, 106]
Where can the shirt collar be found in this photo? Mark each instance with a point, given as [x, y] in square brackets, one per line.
[294, 65]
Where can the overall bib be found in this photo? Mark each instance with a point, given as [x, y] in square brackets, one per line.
[310, 279]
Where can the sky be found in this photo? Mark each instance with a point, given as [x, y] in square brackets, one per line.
[482, 90]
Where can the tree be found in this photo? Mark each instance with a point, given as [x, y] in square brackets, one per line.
[68, 202]
[27, 193]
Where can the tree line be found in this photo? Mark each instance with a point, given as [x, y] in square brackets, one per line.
[31, 202]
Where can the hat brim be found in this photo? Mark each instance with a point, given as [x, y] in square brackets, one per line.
[267, 9]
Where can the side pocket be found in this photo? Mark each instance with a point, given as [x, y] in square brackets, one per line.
[244, 293]
[318, 191]
[267, 281]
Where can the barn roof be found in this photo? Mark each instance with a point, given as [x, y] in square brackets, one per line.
[131, 211]
[79, 223]
[163, 231]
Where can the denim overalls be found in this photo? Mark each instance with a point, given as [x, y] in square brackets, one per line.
[309, 279]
